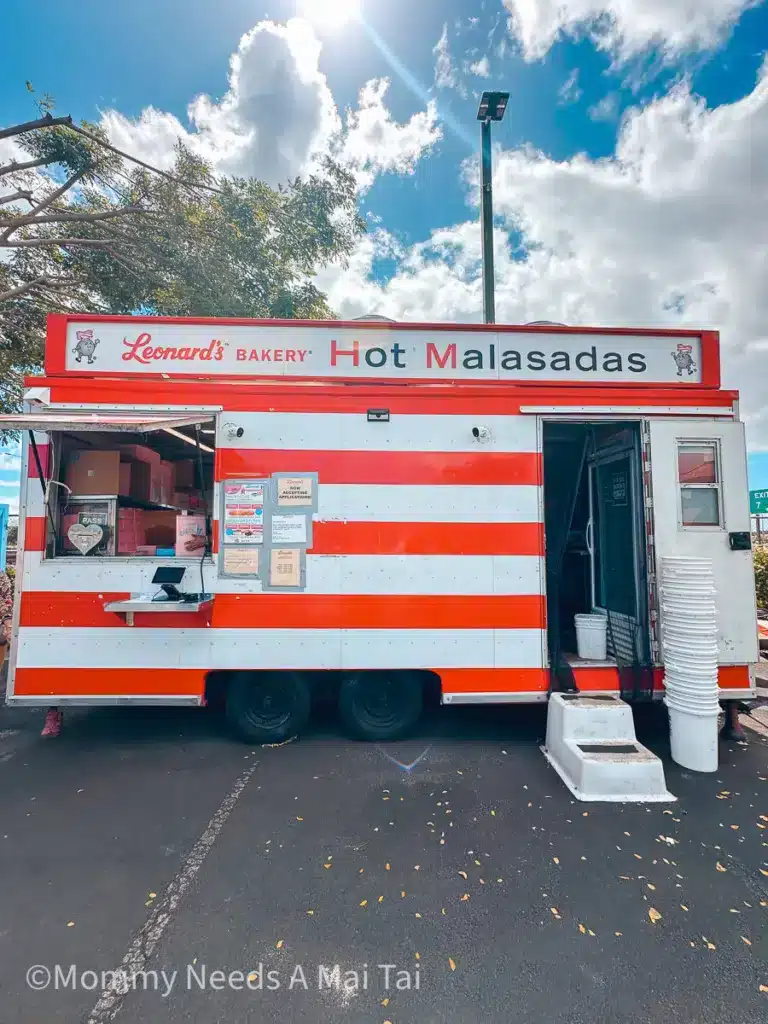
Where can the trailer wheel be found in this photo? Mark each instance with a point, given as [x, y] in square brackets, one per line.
[381, 705]
[268, 707]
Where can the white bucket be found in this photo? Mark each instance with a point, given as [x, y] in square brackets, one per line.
[591, 636]
[693, 738]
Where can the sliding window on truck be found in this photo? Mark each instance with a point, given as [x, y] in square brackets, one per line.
[140, 491]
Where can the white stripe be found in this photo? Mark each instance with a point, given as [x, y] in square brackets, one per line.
[352, 432]
[279, 648]
[413, 503]
[326, 574]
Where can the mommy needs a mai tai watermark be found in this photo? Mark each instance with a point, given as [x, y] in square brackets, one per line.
[203, 978]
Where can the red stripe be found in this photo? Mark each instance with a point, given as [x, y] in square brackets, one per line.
[294, 611]
[494, 680]
[44, 451]
[333, 537]
[108, 682]
[34, 533]
[366, 467]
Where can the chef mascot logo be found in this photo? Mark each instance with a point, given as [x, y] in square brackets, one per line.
[85, 347]
[684, 360]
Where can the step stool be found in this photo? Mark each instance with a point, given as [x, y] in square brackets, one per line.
[592, 746]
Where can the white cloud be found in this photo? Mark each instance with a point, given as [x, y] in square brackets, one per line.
[279, 115]
[481, 68]
[446, 74]
[570, 91]
[669, 230]
[373, 143]
[625, 28]
[606, 109]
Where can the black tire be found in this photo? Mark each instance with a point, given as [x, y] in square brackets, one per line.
[381, 705]
[267, 707]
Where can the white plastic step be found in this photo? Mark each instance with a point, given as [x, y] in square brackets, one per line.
[591, 744]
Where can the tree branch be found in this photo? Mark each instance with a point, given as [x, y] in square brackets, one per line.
[29, 217]
[37, 283]
[88, 218]
[30, 243]
[21, 194]
[30, 126]
[149, 167]
[25, 165]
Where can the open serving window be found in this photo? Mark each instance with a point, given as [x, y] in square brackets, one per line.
[123, 484]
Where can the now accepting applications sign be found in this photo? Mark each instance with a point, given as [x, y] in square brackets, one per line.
[210, 350]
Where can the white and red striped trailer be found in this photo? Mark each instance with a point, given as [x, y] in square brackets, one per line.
[428, 554]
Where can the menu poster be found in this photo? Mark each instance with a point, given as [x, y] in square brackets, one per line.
[290, 529]
[285, 567]
[245, 533]
[295, 491]
[244, 491]
[241, 561]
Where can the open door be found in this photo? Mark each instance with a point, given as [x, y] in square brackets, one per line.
[700, 504]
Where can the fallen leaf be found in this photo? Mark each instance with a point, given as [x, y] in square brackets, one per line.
[280, 944]
[763, 871]
[582, 929]
[711, 945]
[299, 819]
[735, 828]
[417, 955]
[381, 899]
[310, 912]
[463, 874]
[152, 895]
[417, 867]
[386, 867]
[745, 940]
[764, 988]
[359, 872]
[418, 915]
[683, 907]
[451, 964]
[618, 934]
[443, 912]
[70, 924]
[464, 898]
[585, 814]
[478, 863]
[385, 1001]
[720, 867]
[653, 887]
[556, 860]
[637, 856]
[364, 903]
[591, 932]
[555, 911]
[499, 879]
[326, 866]
[654, 915]
[402, 894]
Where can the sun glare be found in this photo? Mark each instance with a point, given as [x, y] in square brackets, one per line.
[329, 14]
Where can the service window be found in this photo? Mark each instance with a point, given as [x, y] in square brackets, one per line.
[123, 484]
[698, 474]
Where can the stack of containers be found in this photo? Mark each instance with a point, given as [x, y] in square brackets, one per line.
[689, 643]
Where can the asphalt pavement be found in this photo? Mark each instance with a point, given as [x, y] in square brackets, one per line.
[148, 841]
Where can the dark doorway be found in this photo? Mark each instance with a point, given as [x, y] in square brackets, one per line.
[595, 546]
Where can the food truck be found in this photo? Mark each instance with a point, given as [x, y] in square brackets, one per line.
[251, 513]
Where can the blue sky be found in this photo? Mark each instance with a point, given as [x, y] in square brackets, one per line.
[632, 165]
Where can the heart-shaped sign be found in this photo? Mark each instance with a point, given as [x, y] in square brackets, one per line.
[85, 537]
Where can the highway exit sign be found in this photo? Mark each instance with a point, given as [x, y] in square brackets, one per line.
[758, 502]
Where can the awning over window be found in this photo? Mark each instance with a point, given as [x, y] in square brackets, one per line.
[138, 422]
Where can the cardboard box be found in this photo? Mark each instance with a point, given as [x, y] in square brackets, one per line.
[139, 453]
[125, 479]
[187, 528]
[138, 478]
[180, 499]
[166, 483]
[159, 528]
[93, 472]
[183, 475]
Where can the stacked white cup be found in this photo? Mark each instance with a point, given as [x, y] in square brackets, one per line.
[689, 645]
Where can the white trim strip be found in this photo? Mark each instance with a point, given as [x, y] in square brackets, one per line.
[109, 700]
[159, 649]
[405, 432]
[580, 411]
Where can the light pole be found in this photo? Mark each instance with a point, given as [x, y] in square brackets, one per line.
[492, 108]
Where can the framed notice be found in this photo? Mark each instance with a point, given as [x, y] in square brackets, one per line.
[244, 509]
[285, 568]
[240, 561]
[295, 492]
[290, 529]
